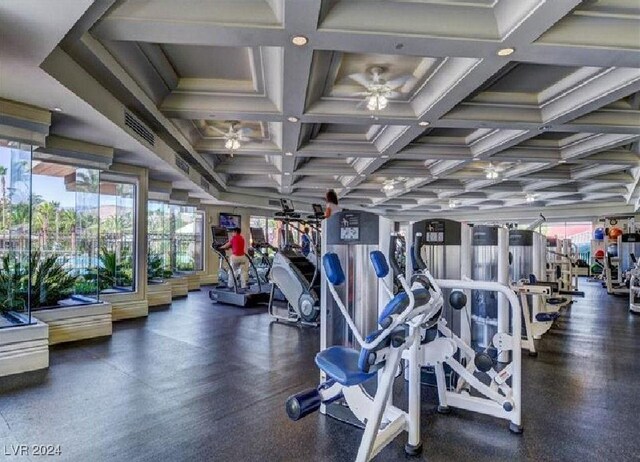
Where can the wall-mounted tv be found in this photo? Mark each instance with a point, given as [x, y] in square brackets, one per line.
[229, 220]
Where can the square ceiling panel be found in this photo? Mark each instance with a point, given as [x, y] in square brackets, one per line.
[218, 128]
[204, 62]
[531, 78]
[355, 69]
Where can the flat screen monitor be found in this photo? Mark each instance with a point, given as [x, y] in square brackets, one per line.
[220, 235]
[229, 220]
[257, 236]
[287, 205]
[317, 210]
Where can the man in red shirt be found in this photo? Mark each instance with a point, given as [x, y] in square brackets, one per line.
[238, 259]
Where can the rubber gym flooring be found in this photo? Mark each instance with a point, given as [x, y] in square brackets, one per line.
[198, 382]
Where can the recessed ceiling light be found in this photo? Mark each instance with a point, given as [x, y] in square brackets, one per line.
[292, 119]
[506, 51]
[562, 161]
[424, 123]
[544, 127]
[287, 173]
[57, 109]
[299, 40]
[362, 175]
[384, 156]
[288, 153]
[476, 159]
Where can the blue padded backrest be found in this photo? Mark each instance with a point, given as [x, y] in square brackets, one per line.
[333, 268]
[379, 263]
[399, 303]
[532, 279]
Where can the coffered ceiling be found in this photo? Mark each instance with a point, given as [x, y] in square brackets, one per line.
[555, 123]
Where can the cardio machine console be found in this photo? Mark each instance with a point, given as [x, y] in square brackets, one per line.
[220, 236]
[257, 237]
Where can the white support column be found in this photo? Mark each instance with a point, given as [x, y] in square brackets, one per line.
[503, 278]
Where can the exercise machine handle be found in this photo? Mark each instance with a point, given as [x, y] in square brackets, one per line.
[417, 254]
[392, 255]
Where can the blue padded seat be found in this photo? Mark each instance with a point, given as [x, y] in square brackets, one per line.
[400, 302]
[556, 300]
[341, 364]
[547, 317]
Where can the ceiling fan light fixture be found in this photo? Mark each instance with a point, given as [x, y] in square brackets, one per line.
[232, 144]
[492, 174]
[453, 204]
[377, 102]
[530, 198]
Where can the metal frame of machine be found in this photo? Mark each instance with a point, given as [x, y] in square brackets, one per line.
[405, 321]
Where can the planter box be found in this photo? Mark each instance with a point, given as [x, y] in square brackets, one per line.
[159, 294]
[76, 322]
[208, 279]
[193, 281]
[24, 348]
[179, 287]
[129, 309]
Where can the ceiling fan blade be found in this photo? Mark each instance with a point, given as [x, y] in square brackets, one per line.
[362, 104]
[217, 130]
[397, 82]
[245, 131]
[362, 78]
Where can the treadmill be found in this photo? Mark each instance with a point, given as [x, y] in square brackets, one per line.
[252, 296]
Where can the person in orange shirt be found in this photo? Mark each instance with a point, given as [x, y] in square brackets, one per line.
[331, 206]
[238, 258]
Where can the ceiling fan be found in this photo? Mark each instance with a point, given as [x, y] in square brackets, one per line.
[378, 90]
[234, 136]
[492, 172]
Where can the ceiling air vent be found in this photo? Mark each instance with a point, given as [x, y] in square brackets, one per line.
[182, 164]
[139, 128]
[274, 203]
[205, 184]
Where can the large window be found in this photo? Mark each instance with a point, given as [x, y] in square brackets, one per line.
[65, 257]
[159, 241]
[15, 232]
[176, 242]
[187, 233]
[580, 234]
[117, 236]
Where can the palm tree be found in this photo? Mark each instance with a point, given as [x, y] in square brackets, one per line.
[44, 213]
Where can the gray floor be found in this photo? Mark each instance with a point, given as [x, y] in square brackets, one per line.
[198, 382]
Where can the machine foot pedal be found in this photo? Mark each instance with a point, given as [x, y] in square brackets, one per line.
[533, 354]
[515, 429]
[412, 450]
[444, 410]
